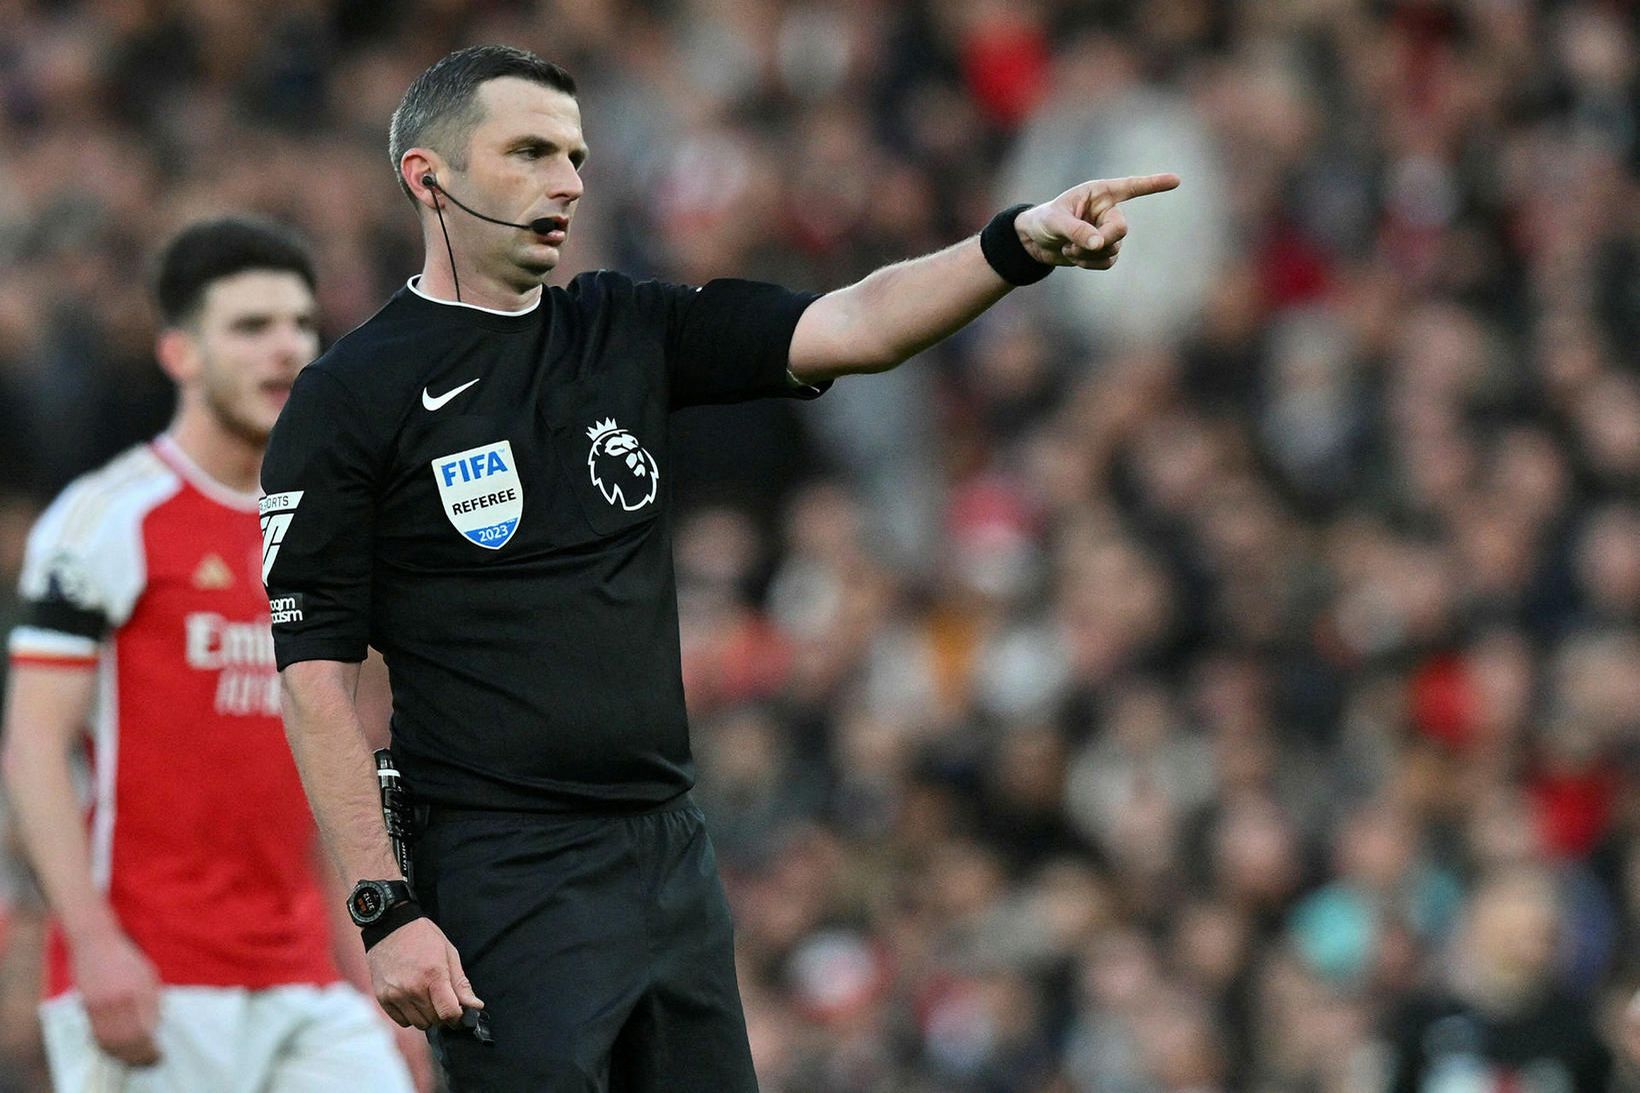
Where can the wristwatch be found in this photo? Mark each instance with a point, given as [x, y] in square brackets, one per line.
[372, 899]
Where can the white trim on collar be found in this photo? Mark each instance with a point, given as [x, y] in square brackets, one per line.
[172, 455]
[413, 287]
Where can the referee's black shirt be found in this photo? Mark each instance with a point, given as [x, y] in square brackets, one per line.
[485, 498]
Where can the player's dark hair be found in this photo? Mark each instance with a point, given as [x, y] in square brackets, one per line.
[440, 108]
[213, 249]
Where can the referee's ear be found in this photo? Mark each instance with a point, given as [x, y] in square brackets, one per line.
[414, 166]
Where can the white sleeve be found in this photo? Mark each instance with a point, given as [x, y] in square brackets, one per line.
[84, 566]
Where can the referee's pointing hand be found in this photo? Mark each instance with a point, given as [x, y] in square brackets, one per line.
[1082, 226]
[417, 976]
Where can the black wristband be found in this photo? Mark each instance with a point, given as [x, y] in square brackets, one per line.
[1006, 254]
[400, 914]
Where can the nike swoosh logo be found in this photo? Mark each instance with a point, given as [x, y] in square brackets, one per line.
[434, 403]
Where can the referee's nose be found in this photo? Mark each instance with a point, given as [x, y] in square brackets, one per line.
[565, 186]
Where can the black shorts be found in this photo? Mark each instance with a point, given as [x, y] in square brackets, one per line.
[601, 946]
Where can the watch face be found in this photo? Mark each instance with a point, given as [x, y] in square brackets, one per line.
[368, 903]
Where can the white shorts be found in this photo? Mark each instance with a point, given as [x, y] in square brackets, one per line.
[295, 1039]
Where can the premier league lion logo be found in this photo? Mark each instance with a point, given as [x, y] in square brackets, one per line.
[622, 470]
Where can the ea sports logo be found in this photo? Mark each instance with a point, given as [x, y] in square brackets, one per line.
[624, 472]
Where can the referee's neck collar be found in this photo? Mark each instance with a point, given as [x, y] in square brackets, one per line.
[416, 288]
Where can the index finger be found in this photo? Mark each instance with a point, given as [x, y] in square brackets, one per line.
[444, 1002]
[1139, 185]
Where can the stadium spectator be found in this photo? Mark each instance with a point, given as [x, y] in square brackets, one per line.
[1502, 1019]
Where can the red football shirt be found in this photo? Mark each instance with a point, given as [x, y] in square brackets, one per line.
[148, 572]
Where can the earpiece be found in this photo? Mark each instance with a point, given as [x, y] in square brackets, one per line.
[429, 181]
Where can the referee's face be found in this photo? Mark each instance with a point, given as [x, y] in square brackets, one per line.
[524, 161]
[254, 333]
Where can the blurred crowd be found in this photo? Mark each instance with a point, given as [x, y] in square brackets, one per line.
[1219, 673]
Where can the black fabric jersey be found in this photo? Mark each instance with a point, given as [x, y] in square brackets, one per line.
[484, 497]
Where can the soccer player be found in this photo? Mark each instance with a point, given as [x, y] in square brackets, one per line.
[477, 483]
[192, 948]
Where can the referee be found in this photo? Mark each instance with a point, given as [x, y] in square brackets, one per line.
[477, 482]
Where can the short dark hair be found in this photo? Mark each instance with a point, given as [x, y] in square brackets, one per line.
[440, 107]
[210, 250]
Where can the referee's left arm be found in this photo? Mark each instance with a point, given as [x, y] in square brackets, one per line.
[900, 310]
